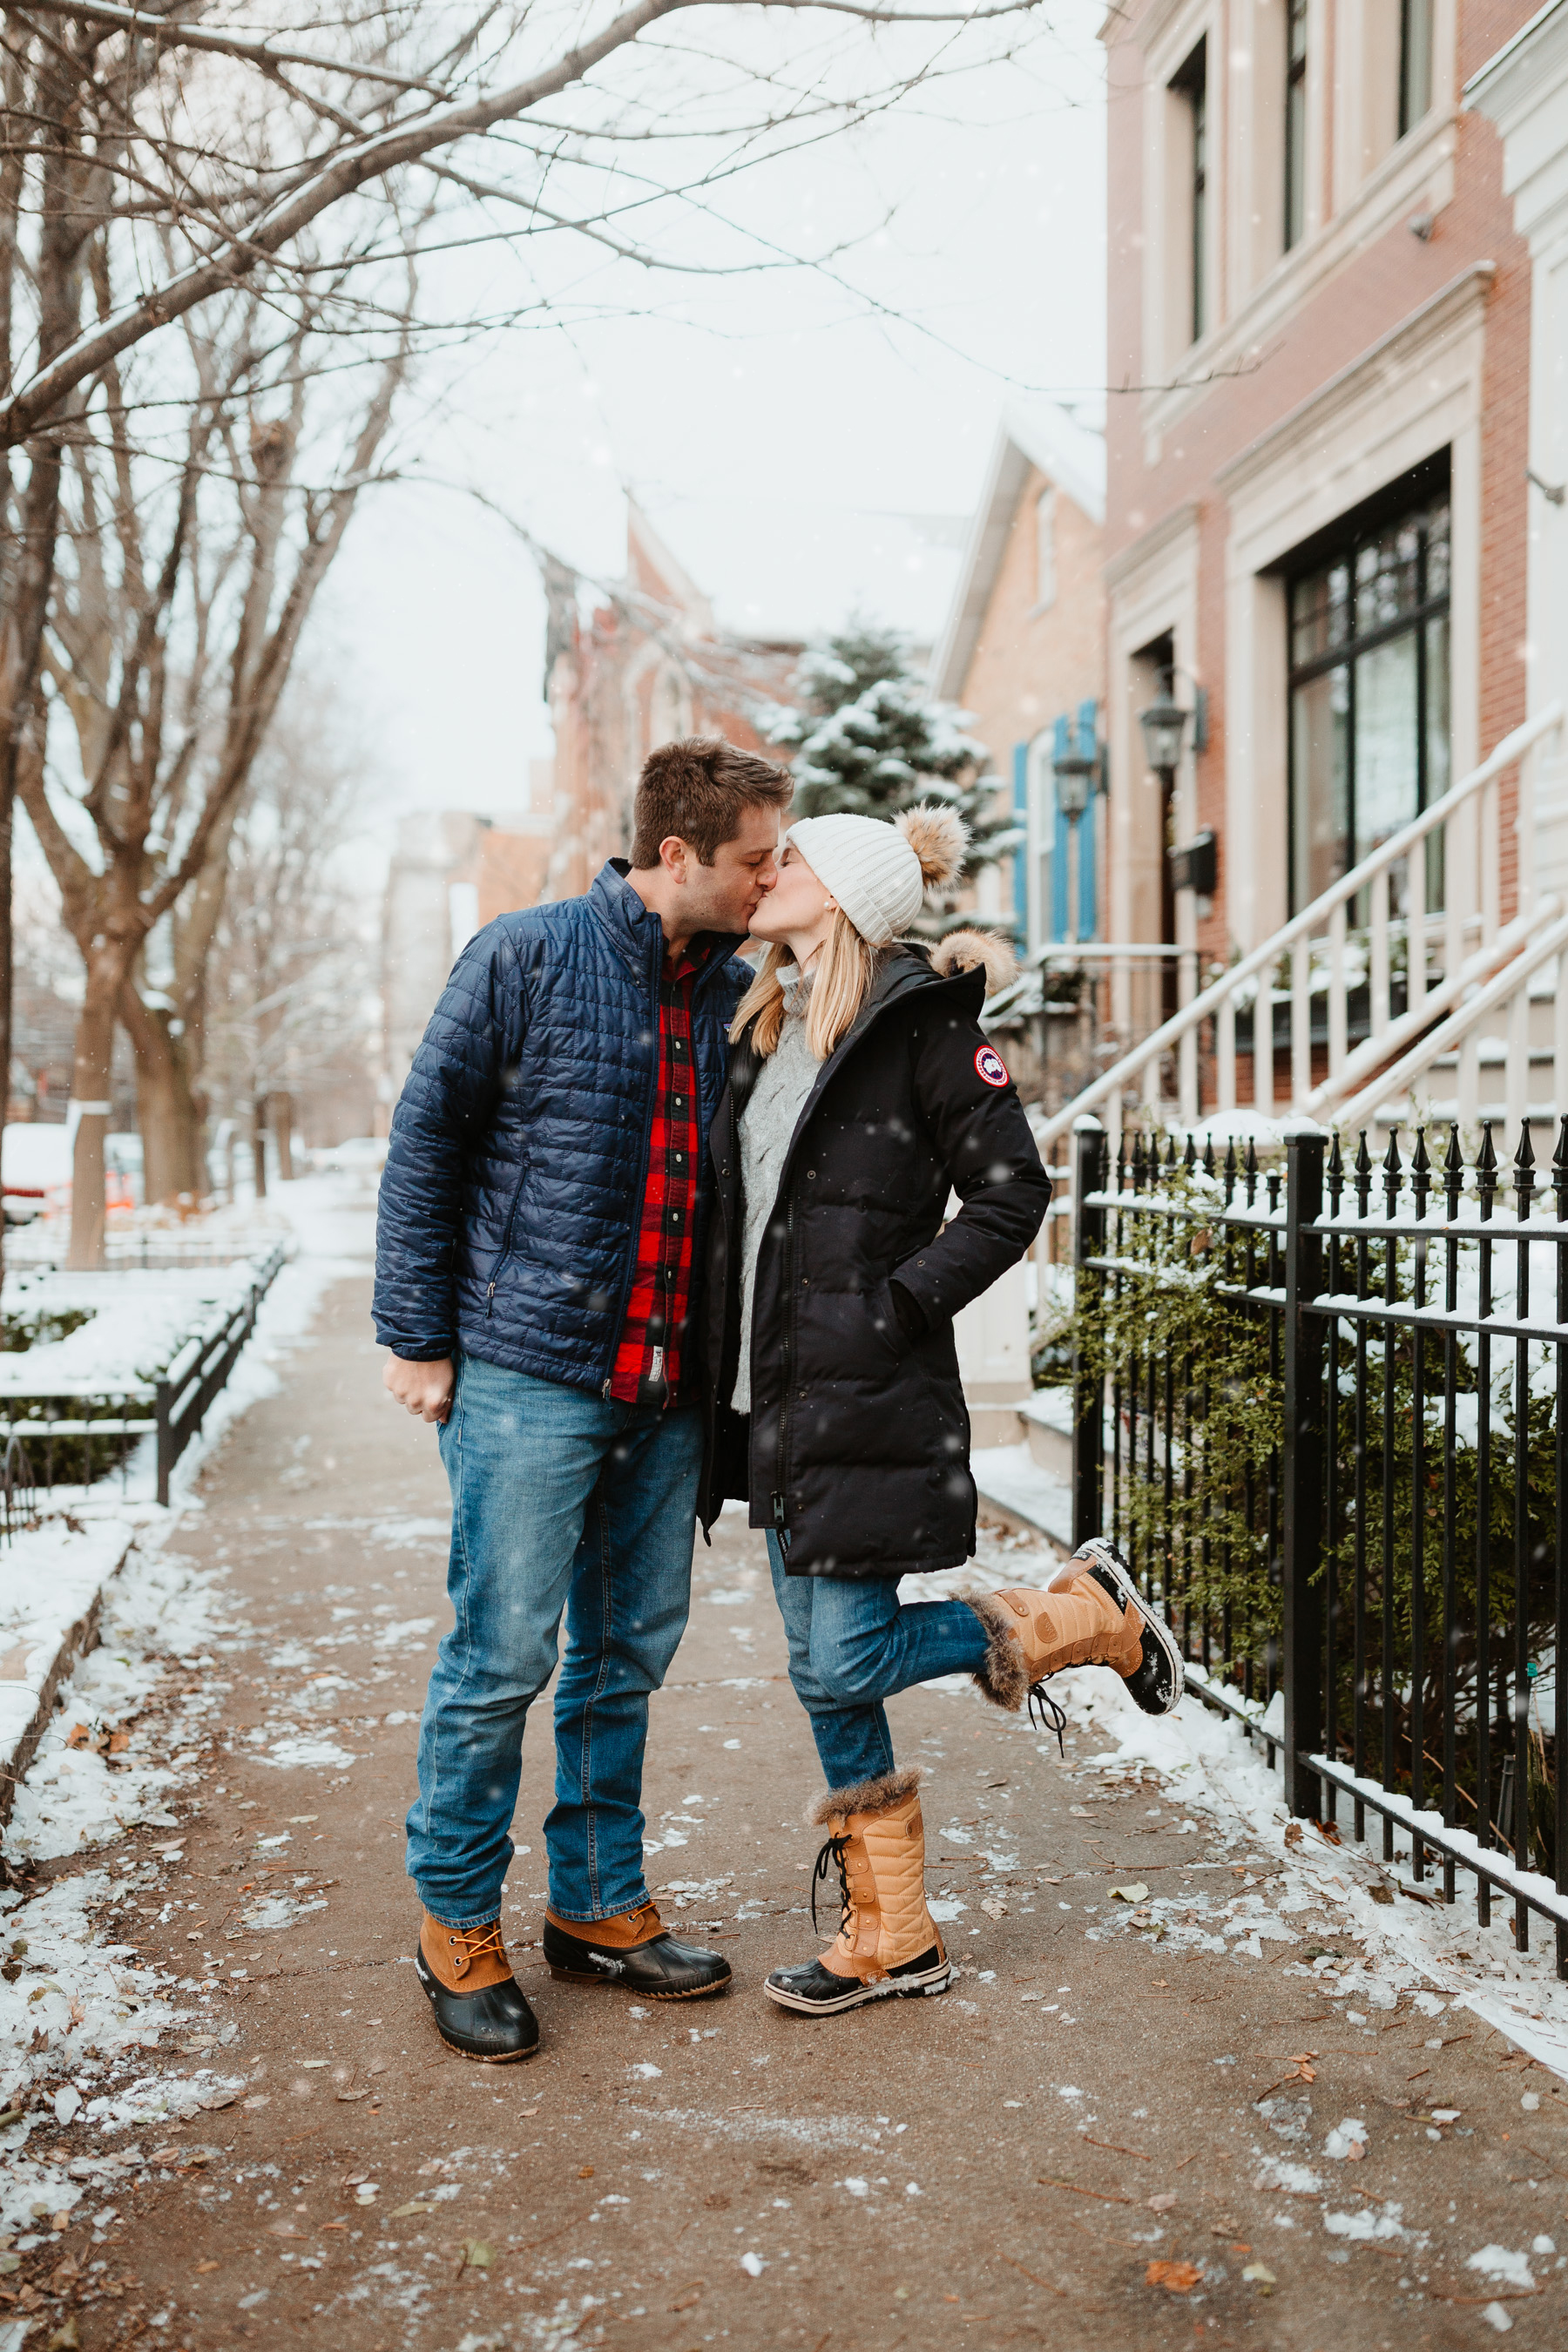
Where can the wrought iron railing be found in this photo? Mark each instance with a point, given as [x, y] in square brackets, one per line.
[1330, 1429]
[75, 1433]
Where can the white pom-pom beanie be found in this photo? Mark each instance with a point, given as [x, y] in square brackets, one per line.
[869, 868]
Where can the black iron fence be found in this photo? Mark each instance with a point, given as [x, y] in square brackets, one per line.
[75, 1437]
[1324, 1410]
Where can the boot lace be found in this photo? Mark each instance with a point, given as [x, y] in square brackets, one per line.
[1046, 1714]
[479, 1943]
[833, 1851]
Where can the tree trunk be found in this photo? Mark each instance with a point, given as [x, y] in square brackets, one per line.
[283, 1134]
[89, 1094]
[166, 1110]
[258, 1144]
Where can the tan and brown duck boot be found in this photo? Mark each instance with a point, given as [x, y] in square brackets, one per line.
[480, 2008]
[1090, 1614]
[887, 1942]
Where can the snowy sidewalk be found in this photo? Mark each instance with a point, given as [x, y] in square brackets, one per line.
[1194, 2064]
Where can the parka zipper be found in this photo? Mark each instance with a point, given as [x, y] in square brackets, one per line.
[780, 1472]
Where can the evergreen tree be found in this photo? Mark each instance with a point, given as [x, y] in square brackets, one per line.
[869, 738]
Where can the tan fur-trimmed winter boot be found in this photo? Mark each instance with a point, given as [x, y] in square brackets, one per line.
[1090, 1614]
[887, 1942]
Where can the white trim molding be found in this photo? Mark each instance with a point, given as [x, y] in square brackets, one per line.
[1418, 390]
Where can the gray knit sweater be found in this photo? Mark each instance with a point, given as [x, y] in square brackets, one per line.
[767, 1123]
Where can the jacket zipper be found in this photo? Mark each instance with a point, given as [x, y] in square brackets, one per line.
[781, 1526]
[780, 1472]
[629, 1274]
[505, 1250]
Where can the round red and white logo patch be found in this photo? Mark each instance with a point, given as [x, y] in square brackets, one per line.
[991, 1066]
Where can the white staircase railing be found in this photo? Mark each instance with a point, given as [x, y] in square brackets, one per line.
[1448, 953]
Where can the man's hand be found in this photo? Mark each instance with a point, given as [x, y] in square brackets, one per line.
[425, 1389]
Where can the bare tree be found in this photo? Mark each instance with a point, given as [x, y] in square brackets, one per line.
[292, 968]
[159, 164]
[176, 613]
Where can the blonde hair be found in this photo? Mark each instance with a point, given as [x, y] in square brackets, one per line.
[841, 979]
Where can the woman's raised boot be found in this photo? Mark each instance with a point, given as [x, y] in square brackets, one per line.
[1090, 1614]
[887, 1942]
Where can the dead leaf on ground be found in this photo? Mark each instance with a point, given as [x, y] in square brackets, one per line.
[1328, 1833]
[165, 2155]
[1176, 2278]
[1381, 1894]
[1163, 2202]
[1292, 1832]
[478, 2255]
[586, 2172]
[1260, 2274]
[207, 2266]
[415, 2205]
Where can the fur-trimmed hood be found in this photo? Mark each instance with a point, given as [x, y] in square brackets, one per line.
[972, 951]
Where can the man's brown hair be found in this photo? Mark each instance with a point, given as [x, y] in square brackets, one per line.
[698, 789]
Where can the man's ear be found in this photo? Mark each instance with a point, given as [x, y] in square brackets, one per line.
[674, 856]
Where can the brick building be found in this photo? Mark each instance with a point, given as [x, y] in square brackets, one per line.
[649, 665]
[1318, 296]
[1024, 652]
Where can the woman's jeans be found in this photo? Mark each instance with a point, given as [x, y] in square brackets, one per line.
[852, 1644]
[560, 1500]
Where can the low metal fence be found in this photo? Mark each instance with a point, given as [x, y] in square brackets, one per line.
[1330, 1430]
[78, 1432]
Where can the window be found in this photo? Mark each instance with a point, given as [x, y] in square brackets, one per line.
[1415, 62]
[1368, 696]
[1045, 549]
[1192, 85]
[1295, 123]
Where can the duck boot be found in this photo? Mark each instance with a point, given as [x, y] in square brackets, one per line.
[636, 1952]
[888, 1941]
[481, 2009]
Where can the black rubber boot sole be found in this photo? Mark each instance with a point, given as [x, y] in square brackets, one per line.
[1157, 1684]
[434, 1991]
[917, 1983]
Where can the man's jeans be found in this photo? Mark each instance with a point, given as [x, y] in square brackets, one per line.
[852, 1644]
[561, 1499]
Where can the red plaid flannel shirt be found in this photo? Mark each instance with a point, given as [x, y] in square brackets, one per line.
[647, 1360]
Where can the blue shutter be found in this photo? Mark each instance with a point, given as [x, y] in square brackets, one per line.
[1087, 895]
[1059, 845]
[1020, 860]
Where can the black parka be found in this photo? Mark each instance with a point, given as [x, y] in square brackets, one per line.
[857, 1449]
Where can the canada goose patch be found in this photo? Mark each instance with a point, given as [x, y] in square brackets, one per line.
[991, 1066]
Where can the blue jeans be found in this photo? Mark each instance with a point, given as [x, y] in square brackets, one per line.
[852, 1644]
[560, 1500]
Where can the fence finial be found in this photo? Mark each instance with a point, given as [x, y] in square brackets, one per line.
[1421, 1172]
[1486, 1169]
[1393, 1170]
[1523, 1172]
[1454, 1170]
[1336, 1174]
[1209, 1157]
[1362, 1175]
[1560, 1169]
[1190, 1155]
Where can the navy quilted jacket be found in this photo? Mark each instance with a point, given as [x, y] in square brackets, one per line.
[512, 1196]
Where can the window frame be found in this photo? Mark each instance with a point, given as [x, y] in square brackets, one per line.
[1190, 83]
[1297, 59]
[1418, 497]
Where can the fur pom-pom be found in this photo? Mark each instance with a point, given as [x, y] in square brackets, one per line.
[966, 951]
[939, 838]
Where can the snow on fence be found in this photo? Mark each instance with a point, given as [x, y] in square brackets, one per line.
[1331, 1437]
[142, 1355]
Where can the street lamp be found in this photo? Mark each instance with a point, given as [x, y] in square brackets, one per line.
[1075, 774]
[1165, 725]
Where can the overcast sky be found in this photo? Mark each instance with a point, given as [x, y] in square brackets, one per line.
[805, 446]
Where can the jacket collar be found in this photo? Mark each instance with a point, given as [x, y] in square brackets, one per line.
[633, 928]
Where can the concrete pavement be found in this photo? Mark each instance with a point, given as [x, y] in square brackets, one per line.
[1068, 2148]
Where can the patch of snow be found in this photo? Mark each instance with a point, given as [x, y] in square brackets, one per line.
[1499, 2262]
